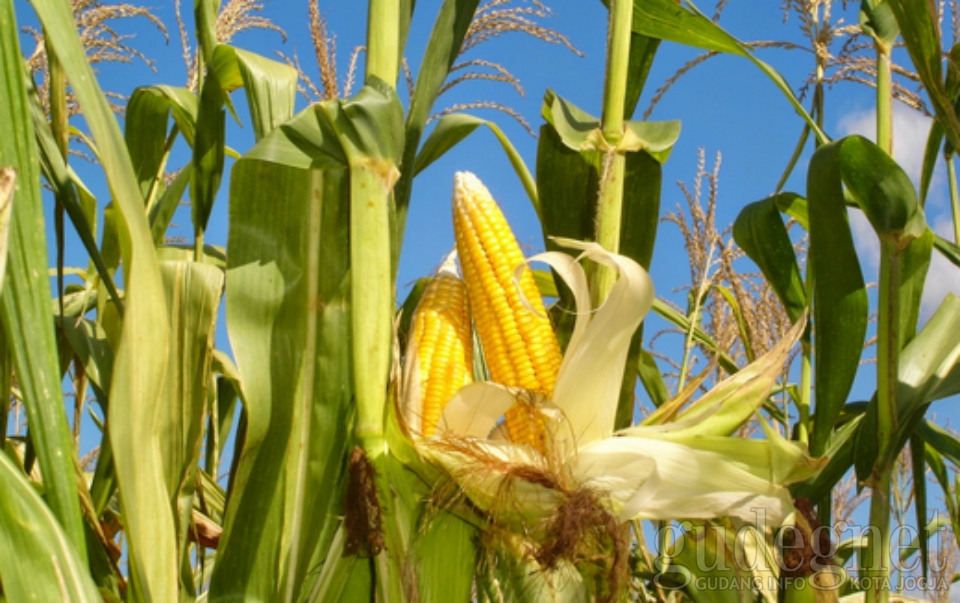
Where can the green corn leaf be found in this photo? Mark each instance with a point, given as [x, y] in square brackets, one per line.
[878, 21]
[941, 440]
[25, 311]
[582, 132]
[193, 296]
[929, 370]
[37, 560]
[948, 249]
[939, 470]
[840, 297]
[148, 141]
[288, 318]
[931, 154]
[157, 103]
[919, 466]
[270, 86]
[445, 554]
[882, 190]
[652, 379]
[142, 353]
[760, 232]
[839, 452]
[643, 49]
[794, 206]
[208, 152]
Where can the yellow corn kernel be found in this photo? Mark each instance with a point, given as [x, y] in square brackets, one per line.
[518, 342]
[441, 345]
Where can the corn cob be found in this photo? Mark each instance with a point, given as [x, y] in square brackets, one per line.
[442, 347]
[518, 342]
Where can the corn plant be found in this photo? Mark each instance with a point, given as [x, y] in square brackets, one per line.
[478, 443]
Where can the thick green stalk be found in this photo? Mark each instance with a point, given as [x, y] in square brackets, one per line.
[610, 201]
[884, 99]
[383, 40]
[888, 353]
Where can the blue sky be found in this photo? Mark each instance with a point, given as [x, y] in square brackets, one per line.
[725, 106]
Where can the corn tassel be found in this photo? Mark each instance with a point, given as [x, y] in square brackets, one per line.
[441, 348]
[518, 342]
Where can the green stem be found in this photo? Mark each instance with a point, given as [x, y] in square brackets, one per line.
[610, 201]
[954, 197]
[198, 245]
[884, 99]
[888, 352]
[383, 40]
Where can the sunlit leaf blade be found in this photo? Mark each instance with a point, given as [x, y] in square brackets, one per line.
[37, 560]
[840, 297]
[25, 306]
[152, 104]
[270, 86]
[145, 131]
[760, 232]
[139, 366]
[668, 20]
[193, 296]
[289, 325]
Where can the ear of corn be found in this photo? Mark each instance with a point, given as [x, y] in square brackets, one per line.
[441, 348]
[518, 342]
